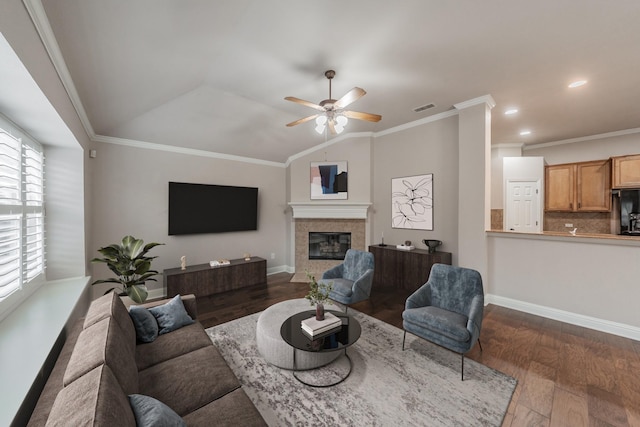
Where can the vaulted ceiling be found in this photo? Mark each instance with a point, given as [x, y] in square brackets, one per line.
[212, 75]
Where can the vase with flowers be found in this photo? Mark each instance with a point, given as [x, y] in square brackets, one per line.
[318, 294]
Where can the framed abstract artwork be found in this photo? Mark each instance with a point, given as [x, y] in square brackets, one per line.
[329, 180]
[412, 202]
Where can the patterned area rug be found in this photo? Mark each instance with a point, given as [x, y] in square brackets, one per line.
[387, 387]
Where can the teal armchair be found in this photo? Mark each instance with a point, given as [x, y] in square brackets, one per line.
[352, 280]
[447, 310]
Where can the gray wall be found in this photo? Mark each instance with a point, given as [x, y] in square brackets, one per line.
[428, 148]
[130, 195]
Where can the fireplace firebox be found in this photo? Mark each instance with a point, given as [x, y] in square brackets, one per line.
[328, 245]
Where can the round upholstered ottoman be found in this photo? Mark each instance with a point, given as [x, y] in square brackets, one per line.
[275, 350]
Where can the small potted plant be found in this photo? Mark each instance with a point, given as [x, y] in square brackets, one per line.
[318, 295]
[128, 261]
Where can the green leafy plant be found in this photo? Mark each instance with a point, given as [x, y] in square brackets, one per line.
[318, 293]
[128, 261]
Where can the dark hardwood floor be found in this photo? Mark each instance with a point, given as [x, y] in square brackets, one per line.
[567, 375]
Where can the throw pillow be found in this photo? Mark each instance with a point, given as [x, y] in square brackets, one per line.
[144, 322]
[151, 412]
[171, 316]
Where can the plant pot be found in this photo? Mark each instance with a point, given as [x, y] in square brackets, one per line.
[319, 311]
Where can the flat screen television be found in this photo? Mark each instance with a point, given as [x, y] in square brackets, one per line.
[205, 208]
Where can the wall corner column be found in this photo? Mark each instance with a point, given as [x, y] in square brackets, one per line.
[474, 183]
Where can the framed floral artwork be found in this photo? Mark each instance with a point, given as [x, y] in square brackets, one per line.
[329, 180]
[412, 202]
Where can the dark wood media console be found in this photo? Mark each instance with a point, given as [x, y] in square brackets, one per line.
[399, 268]
[203, 280]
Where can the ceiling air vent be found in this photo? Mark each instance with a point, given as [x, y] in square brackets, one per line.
[424, 107]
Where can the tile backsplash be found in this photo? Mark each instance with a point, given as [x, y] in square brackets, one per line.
[585, 222]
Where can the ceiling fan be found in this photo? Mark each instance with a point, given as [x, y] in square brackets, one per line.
[333, 113]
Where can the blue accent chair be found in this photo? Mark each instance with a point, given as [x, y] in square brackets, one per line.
[352, 280]
[447, 310]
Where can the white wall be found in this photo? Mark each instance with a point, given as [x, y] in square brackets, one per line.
[131, 197]
[64, 195]
[581, 276]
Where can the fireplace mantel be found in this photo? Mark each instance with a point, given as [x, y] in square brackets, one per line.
[329, 210]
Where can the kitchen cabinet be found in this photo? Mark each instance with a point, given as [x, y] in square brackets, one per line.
[578, 187]
[626, 171]
[403, 269]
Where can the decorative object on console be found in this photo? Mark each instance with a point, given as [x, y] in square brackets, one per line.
[219, 262]
[183, 262]
[382, 243]
[329, 180]
[247, 256]
[412, 202]
[318, 294]
[406, 247]
[132, 267]
[432, 244]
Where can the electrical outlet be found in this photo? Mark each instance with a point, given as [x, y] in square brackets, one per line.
[273, 255]
[569, 225]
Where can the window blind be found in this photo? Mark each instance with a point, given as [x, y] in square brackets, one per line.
[22, 249]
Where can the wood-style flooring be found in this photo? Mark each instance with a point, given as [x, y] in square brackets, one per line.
[567, 375]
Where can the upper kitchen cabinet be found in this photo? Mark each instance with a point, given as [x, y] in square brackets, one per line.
[559, 187]
[626, 171]
[578, 187]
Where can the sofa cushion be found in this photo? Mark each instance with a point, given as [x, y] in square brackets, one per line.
[104, 343]
[190, 381]
[171, 316]
[447, 323]
[110, 305]
[145, 324]
[232, 409]
[95, 399]
[168, 346]
[150, 412]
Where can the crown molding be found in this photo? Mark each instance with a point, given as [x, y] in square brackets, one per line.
[484, 99]
[182, 150]
[419, 122]
[582, 139]
[508, 145]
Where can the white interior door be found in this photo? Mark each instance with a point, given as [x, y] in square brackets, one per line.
[522, 206]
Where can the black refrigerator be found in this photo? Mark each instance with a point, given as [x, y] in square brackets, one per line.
[630, 212]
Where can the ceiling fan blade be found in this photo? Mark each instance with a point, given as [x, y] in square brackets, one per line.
[306, 119]
[303, 102]
[362, 116]
[351, 96]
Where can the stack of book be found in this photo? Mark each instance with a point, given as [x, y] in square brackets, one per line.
[313, 327]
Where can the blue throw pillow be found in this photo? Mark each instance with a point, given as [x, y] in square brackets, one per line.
[151, 412]
[171, 316]
[144, 322]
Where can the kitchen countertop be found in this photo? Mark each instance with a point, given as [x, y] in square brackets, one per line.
[612, 239]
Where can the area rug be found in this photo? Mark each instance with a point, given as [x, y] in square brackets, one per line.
[387, 386]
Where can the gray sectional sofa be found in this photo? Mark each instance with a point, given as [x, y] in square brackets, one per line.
[105, 376]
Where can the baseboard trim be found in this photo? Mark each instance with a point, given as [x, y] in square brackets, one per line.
[601, 325]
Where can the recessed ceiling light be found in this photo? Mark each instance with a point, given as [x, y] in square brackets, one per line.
[511, 111]
[577, 83]
[525, 132]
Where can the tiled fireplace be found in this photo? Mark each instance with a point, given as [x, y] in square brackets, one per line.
[323, 218]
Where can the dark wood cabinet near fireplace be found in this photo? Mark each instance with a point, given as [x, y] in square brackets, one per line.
[403, 269]
[204, 280]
